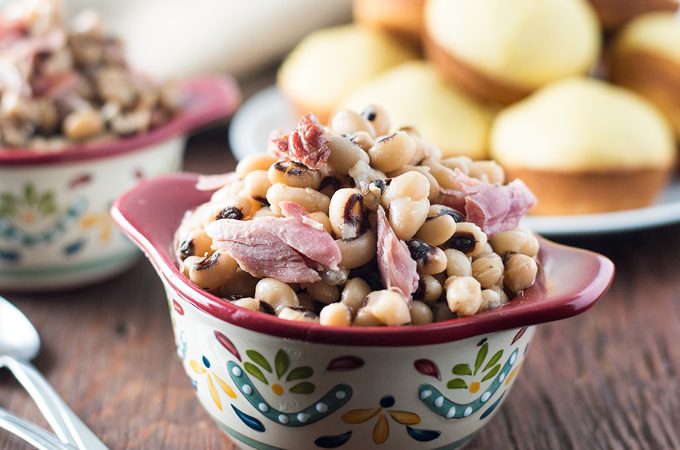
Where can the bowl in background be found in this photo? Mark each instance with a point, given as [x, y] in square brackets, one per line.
[276, 384]
[55, 227]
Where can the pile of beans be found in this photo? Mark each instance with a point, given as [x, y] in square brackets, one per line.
[462, 271]
[62, 86]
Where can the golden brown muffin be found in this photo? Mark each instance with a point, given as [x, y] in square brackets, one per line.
[614, 13]
[584, 146]
[330, 62]
[646, 58]
[415, 96]
[403, 18]
[503, 50]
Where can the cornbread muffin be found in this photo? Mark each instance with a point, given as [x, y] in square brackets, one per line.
[614, 13]
[503, 50]
[584, 146]
[330, 62]
[415, 96]
[646, 58]
[403, 18]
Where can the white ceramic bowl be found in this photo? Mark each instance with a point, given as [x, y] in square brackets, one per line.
[55, 227]
[273, 384]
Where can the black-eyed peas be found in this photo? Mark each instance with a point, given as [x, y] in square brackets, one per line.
[459, 270]
[308, 198]
[291, 173]
[213, 271]
[277, 294]
[336, 315]
[346, 212]
[377, 116]
[392, 152]
[463, 295]
[345, 154]
[520, 272]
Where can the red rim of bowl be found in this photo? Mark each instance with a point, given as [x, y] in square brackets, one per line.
[570, 282]
[207, 99]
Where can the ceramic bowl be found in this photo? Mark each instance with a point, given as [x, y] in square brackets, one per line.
[55, 226]
[275, 384]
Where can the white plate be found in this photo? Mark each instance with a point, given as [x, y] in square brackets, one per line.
[268, 110]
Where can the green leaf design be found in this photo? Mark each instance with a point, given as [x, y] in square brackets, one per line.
[281, 362]
[299, 373]
[8, 205]
[457, 383]
[481, 356]
[254, 371]
[303, 388]
[259, 359]
[29, 195]
[491, 374]
[46, 204]
[462, 369]
[493, 360]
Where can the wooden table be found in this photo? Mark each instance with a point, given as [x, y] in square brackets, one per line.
[607, 379]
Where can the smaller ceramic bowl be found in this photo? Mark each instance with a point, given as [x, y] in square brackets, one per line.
[55, 227]
[275, 384]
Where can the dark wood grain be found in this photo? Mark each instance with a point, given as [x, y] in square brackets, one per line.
[607, 379]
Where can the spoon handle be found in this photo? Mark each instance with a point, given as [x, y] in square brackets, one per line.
[31, 433]
[67, 426]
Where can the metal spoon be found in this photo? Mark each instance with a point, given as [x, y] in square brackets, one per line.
[40, 438]
[19, 342]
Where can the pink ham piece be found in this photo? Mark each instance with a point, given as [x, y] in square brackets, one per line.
[494, 207]
[299, 213]
[279, 248]
[212, 182]
[397, 268]
[306, 144]
[277, 146]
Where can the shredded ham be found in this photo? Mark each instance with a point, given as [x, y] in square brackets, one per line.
[299, 213]
[306, 144]
[494, 207]
[212, 182]
[281, 248]
[397, 268]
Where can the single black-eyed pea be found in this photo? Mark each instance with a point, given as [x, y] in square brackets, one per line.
[488, 270]
[354, 293]
[308, 198]
[195, 243]
[365, 318]
[258, 161]
[344, 154]
[490, 300]
[256, 185]
[188, 262]
[347, 122]
[463, 295]
[247, 302]
[457, 263]
[276, 293]
[420, 313]
[255, 205]
[322, 292]
[213, 271]
[441, 173]
[389, 307]
[233, 208]
[429, 289]
[363, 174]
[515, 241]
[336, 315]
[441, 312]
[421, 147]
[362, 139]
[357, 251]
[412, 185]
[294, 174]
[392, 152]
[241, 284]
[468, 238]
[335, 277]
[83, 124]
[520, 272]
[377, 116]
[323, 219]
[407, 216]
[227, 191]
[430, 259]
[423, 170]
[298, 314]
[436, 230]
[487, 171]
[346, 212]
[458, 162]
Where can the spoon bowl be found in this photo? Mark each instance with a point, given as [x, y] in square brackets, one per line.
[18, 337]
